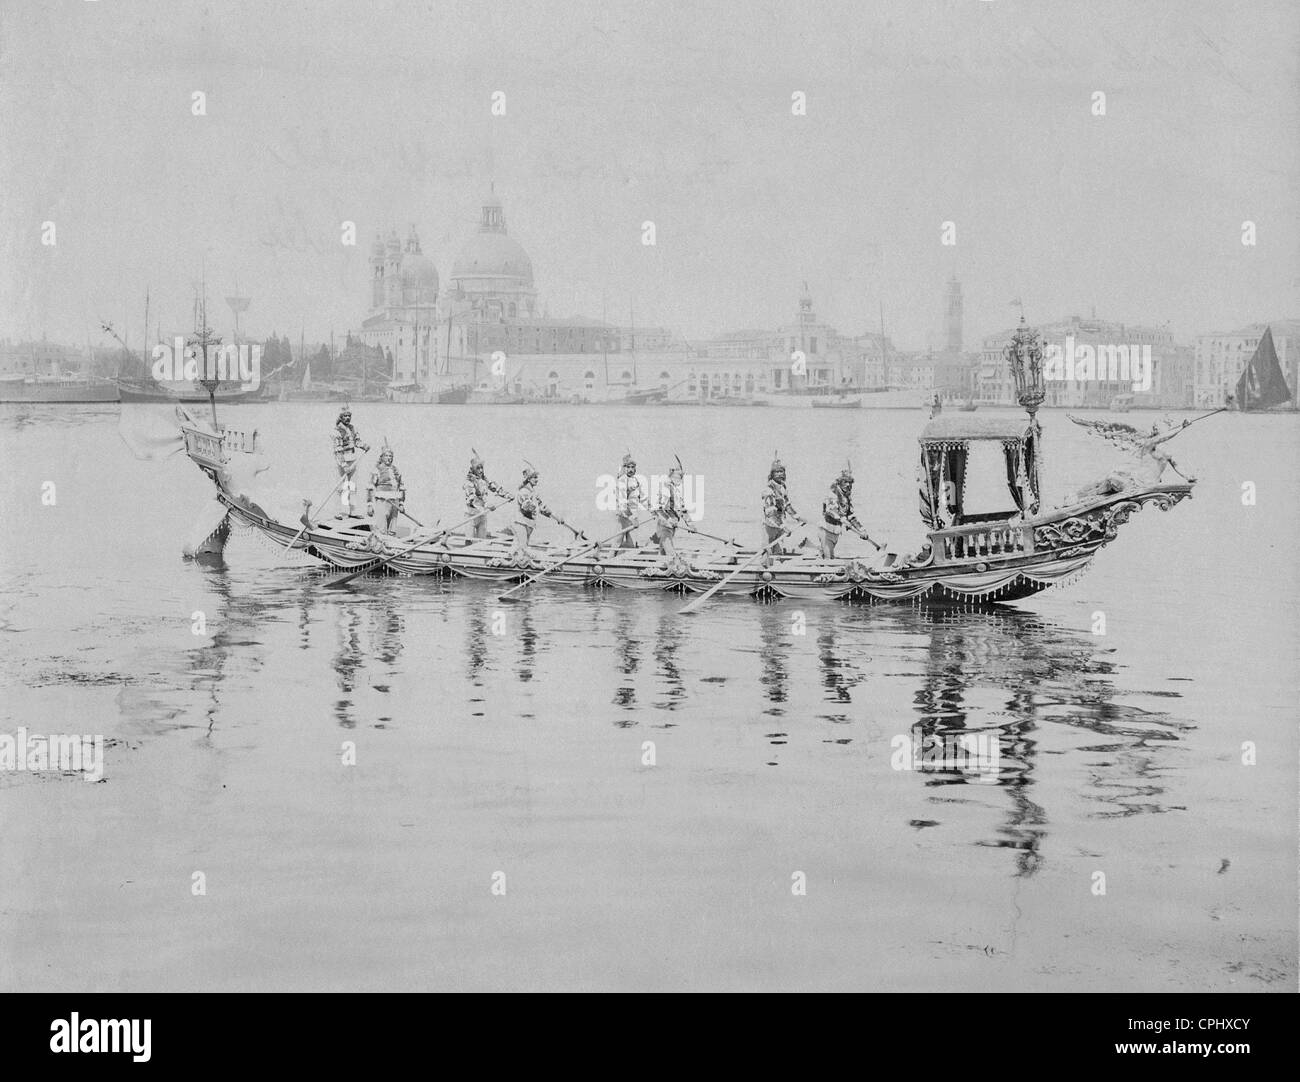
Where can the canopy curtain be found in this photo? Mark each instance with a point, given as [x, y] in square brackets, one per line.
[927, 477]
[1032, 464]
[942, 474]
[1016, 479]
[954, 482]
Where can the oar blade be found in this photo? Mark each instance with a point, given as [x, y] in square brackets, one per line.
[343, 580]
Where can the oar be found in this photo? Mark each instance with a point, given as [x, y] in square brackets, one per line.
[343, 580]
[714, 537]
[576, 533]
[560, 563]
[695, 605]
[321, 504]
[879, 548]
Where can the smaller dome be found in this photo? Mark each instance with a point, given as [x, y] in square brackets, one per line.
[419, 279]
[416, 269]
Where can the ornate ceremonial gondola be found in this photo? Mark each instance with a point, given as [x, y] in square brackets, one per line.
[1001, 549]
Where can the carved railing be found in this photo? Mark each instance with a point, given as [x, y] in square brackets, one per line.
[983, 541]
[203, 445]
[212, 449]
[236, 439]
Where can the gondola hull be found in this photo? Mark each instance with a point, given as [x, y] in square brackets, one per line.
[972, 564]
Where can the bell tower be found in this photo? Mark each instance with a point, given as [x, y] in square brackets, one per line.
[392, 271]
[377, 273]
[952, 317]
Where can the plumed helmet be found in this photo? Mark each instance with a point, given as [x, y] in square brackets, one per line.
[628, 460]
[676, 470]
[530, 472]
[777, 467]
[475, 463]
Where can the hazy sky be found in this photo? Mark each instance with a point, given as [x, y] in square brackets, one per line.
[973, 111]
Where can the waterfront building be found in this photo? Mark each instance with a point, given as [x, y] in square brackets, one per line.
[40, 358]
[1220, 357]
[995, 386]
[765, 359]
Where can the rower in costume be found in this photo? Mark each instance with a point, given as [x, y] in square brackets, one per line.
[630, 500]
[671, 512]
[477, 489]
[777, 511]
[386, 487]
[528, 505]
[837, 513]
[346, 443]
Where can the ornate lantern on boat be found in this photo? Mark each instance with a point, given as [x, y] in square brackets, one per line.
[1024, 353]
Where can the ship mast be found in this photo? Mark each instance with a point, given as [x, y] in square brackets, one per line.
[884, 360]
[210, 379]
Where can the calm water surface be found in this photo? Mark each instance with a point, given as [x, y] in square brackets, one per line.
[512, 738]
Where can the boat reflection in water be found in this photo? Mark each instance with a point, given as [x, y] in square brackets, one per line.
[1019, 709]
[1047, 676]
[370, 636]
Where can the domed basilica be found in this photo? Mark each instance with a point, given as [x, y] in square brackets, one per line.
[493, 272]
[491, 281]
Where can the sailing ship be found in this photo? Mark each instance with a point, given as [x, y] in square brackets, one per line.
[1262, 385]
[144, 388]
[148, 389]
[972, 556]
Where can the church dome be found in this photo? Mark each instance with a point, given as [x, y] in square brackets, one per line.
[493, 255]
[418, 272]
[491, 252]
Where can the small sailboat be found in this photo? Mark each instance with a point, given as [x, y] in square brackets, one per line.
[1262, 385]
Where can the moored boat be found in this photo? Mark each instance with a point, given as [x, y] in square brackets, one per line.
[57, 389]
[135, 389]
[735, 400]
[490, 397]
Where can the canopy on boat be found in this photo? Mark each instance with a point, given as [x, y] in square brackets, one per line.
[978, 469]
[956, 427]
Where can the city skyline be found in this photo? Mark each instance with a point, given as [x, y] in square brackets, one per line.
[1137, 213]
